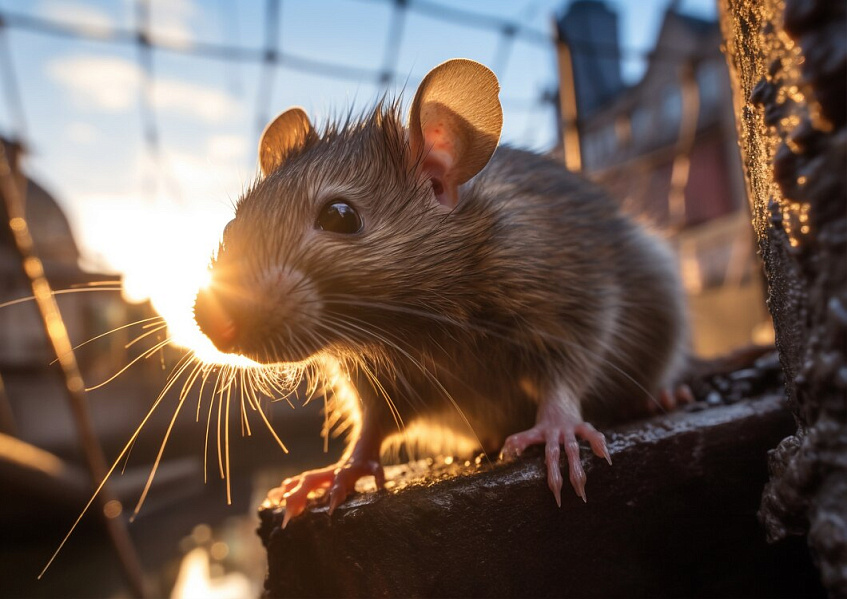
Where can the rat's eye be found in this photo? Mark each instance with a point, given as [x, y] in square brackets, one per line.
[339, 217]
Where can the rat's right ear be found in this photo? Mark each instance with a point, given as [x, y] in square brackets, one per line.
[288, 132]
[454, 124]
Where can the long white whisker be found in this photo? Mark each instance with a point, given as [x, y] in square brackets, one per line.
[485, 330]
[30, 298]
[108, 474]
[187, 361]
[433, 379]
[115, 330]
[144, 335]
[146, 354]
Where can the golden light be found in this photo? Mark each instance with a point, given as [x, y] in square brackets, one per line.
[113, 509]
[178, 243]
[196, 579]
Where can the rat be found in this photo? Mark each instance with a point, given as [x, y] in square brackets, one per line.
[450, 283]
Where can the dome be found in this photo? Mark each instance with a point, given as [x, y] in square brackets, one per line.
[48, 225]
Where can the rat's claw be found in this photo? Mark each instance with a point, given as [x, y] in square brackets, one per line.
[285, 518]
[596, 439]
[337, 495]
[295, 504]
[554, 474]
[577, 474]
[293, 493]
[555, 434]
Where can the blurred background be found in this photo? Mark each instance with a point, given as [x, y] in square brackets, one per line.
[136, 122]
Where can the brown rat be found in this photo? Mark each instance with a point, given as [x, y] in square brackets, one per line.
[498, 297]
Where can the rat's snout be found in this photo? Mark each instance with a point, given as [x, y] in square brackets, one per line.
[214, 320]
[266, 320]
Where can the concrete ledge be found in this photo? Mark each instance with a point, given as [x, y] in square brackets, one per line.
[674, 516]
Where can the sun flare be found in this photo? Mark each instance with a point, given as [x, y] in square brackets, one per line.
[170, 273]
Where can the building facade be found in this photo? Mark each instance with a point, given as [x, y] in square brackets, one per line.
[666, 148]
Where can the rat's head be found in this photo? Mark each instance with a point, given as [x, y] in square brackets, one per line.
[347, 235]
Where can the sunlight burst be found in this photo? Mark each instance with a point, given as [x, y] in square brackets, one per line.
[170, 272]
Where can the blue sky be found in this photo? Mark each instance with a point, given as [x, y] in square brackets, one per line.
[81, 102]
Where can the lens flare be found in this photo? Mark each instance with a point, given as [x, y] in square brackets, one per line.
[170, 270]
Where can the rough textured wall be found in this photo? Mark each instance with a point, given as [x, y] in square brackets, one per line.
[789, 62]
[674, 517]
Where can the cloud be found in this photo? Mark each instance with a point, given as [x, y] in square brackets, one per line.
[79, 132]
[112, 84]
[172, 19]
[191, 99]
[106, 83]
[83, 17]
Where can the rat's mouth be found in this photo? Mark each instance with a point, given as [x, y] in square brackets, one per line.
[250, 336]
[270, 321]
[272, 354]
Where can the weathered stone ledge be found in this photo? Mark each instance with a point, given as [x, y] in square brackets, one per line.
[674, 516]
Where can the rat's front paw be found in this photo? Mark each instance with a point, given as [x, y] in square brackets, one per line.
[294, 492]
[339, 479]
[554, 435]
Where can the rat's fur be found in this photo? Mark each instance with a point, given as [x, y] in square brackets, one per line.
[462, 319]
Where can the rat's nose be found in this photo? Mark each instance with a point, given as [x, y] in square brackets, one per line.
[214, 320]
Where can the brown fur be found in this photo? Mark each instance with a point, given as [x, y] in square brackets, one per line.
[463, 319]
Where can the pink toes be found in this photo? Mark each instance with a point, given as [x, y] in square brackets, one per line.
[293, 493]
[554, 474]
[670, 398]
[555, 436]
[517, 443]
[346, 477]
[596, 440]
[575, 471]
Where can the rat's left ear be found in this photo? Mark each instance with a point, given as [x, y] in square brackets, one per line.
[288, 132]
[454, 124]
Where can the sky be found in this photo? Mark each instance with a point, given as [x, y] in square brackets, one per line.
[133, 214]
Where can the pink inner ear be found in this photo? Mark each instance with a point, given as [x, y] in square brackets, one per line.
[438, 162]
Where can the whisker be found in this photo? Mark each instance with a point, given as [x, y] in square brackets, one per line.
[226, 447]
[115, 330]
[144, 335]
[488, 330]
[245, 422]
[185, 362]
[207, 370]
[146, 354]
[220, 407]
[30, 298]
[208, 427]
[106, 477]
[432, 378]
[94, 284]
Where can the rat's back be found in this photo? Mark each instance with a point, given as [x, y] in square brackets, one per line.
[588, 279]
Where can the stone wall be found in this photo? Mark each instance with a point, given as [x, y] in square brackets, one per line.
[789, 63]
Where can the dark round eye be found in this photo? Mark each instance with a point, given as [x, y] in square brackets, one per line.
[339, 217]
